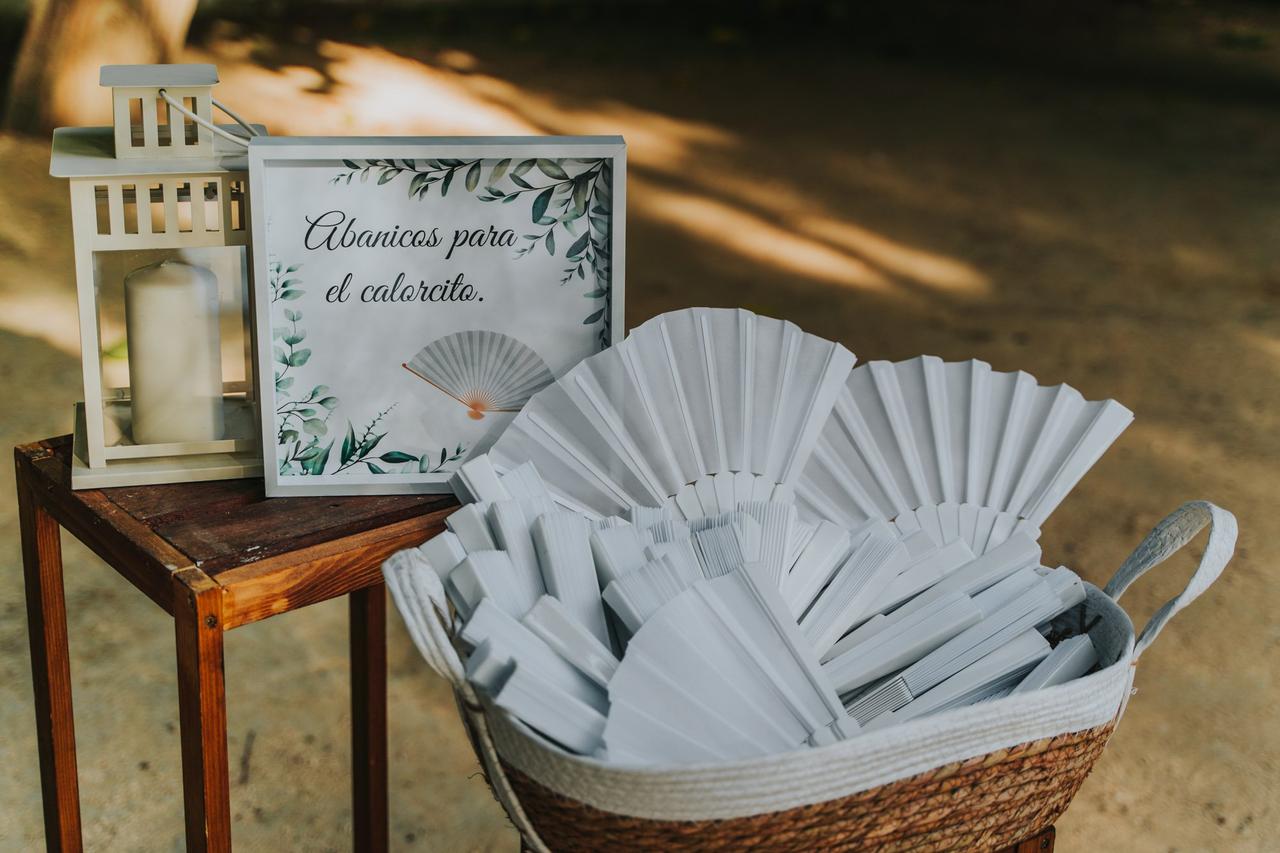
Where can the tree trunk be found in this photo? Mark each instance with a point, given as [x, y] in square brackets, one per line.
[55, 78]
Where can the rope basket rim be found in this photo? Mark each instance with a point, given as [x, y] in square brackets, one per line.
[988, 801]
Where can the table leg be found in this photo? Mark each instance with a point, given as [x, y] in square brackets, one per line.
[50, 671]
[202, 713]
[1042, 842]
[369, 717]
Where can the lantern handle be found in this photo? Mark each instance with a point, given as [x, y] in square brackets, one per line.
[250, 129]
[208, 125]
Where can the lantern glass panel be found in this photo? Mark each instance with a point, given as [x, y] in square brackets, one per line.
[229, 265]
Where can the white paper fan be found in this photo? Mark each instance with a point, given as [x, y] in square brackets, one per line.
[689, 395]
[925, 432]
[485, 371]
[722, 665]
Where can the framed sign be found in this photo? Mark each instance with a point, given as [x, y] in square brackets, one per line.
[411, 294]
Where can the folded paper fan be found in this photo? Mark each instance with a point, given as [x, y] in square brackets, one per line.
[723, 665]
[485, 371]
[688, 396]
[924, 432]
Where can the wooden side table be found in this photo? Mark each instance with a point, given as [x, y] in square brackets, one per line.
[214, 556]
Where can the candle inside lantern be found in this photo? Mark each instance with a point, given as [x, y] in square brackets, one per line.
[175, 353]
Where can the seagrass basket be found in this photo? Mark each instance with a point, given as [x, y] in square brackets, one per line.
[987, 802]
[981, 777]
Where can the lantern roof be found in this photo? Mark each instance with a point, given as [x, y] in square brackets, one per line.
[191, 74]
[89, 152]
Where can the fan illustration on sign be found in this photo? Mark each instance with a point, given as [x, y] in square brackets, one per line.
[485, 371]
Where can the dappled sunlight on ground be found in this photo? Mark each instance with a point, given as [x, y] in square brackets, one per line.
[1114, 238]
[1266, 344]
[370, 90]
[729, 228]
[935, 271]
[374, 91]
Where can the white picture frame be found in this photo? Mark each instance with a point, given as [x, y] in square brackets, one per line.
[380, 366]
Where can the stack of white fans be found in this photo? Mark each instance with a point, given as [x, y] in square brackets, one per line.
[719, 540]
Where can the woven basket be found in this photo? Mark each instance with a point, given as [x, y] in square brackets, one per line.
[976, 778]
[987, 802]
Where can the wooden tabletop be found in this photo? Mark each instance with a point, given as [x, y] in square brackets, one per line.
[270, 555]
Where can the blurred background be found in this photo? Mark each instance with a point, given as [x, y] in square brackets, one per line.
[1087, 191]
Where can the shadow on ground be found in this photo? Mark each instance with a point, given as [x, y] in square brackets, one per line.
[1098, 210]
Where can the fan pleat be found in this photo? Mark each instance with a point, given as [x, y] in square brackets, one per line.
[711, 389]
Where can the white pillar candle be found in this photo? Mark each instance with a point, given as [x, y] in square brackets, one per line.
[175, 353]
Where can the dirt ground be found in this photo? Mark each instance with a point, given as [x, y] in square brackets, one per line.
[1097, 206]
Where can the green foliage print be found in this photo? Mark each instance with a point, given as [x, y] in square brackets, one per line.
[570, 204]
[302, 421]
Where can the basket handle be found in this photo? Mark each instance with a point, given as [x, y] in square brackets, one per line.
[1176, 530]
[419, 596]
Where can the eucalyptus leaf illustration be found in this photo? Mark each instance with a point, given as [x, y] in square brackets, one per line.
[302, 422]
[570, 193]
[299, 424]
[540, 206]
[284, 287]
[348, 444]
[551, 168]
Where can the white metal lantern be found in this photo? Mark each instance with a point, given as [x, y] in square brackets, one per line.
[159, 211]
